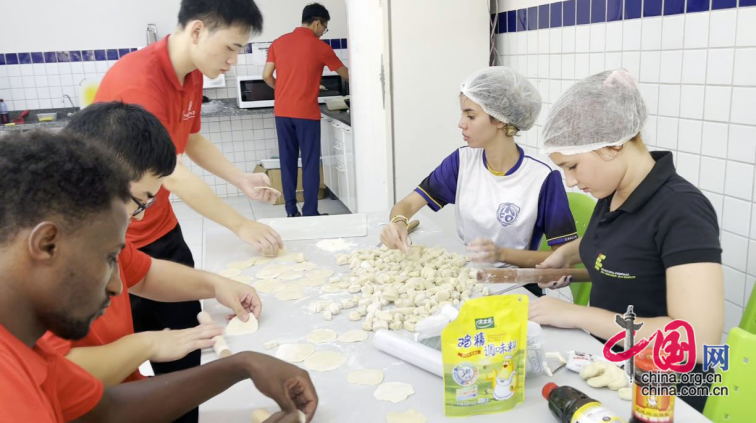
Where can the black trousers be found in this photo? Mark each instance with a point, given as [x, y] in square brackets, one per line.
[151, 315]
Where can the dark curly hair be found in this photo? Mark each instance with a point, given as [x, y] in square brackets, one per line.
[216, 14]
[130, 133]
[44, 174]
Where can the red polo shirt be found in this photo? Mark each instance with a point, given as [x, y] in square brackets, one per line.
[299, 57]
[39, 385]
[147, 78]
[116, 322]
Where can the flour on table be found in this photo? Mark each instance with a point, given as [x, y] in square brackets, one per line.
[353, 336]
[393, 391]
[409, 416]
[237, 327]
[322, 336]
[324, 361]
[333, 245]
[294, 353]
[365, 377]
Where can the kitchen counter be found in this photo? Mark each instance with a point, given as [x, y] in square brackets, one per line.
[341, 115]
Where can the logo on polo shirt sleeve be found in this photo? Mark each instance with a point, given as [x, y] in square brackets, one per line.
[189, 114]
[507, 213]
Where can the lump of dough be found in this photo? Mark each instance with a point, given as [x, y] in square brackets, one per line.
[269, 286]
[271, 272]
[290, 294]
[293, 257]
[324, 361]
[237, 327]
[322, 336]
[365, 377]
[393, 391]
[409, 416]
[227, 273]
[294, 353]
[353, 336]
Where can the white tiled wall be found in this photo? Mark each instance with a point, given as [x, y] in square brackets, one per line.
[43, 85]
[697, 72]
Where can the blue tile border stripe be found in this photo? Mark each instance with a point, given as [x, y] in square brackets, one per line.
[116, 53]
[583, 12]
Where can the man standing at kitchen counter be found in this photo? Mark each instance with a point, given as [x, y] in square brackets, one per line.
[166, 79]
[298, 59]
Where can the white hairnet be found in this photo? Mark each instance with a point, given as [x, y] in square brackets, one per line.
[505, 95]
[602, 110]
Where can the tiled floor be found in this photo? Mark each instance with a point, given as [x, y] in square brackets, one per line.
[193, 224]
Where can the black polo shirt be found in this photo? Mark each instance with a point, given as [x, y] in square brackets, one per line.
[665, 222]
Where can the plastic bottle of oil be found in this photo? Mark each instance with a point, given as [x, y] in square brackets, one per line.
[569, 405]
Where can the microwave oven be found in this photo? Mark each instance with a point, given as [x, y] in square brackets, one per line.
[253, 93]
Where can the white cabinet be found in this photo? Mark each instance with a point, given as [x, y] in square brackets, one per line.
[339, 172]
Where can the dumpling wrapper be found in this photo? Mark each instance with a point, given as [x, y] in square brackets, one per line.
[237, 327]
[393, 391]
[294, 353]
[324, 361]
[365, 377]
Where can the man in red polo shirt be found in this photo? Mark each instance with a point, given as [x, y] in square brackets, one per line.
[58, 271]
[111, 351]
[298, 59]
[166, 79]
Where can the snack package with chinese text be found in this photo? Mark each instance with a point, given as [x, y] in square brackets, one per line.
[484, 353]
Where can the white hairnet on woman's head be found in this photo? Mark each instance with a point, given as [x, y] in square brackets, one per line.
[505, 95]
[602, 110]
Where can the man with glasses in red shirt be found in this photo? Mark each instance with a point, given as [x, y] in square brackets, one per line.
[298, 59]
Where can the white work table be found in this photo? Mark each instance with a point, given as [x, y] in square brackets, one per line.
[289, 322]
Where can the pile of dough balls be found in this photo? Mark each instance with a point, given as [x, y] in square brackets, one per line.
[394, 290]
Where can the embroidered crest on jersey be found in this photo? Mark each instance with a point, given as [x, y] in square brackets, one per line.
[507, 213]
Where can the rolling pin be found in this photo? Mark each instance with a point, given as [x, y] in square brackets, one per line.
[219, 343]
[516, 275]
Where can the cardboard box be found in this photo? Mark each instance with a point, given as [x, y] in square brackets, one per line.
[275, 182]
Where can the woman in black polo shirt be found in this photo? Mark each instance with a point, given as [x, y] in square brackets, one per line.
[653, 239]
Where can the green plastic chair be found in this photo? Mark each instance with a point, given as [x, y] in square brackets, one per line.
[581, 207]
[748, 321]
[740, 380]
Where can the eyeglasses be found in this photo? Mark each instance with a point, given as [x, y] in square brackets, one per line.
[325, 30]
[142, 206]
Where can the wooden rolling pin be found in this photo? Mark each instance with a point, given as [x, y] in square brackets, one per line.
[219, 343]
[516, 275]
